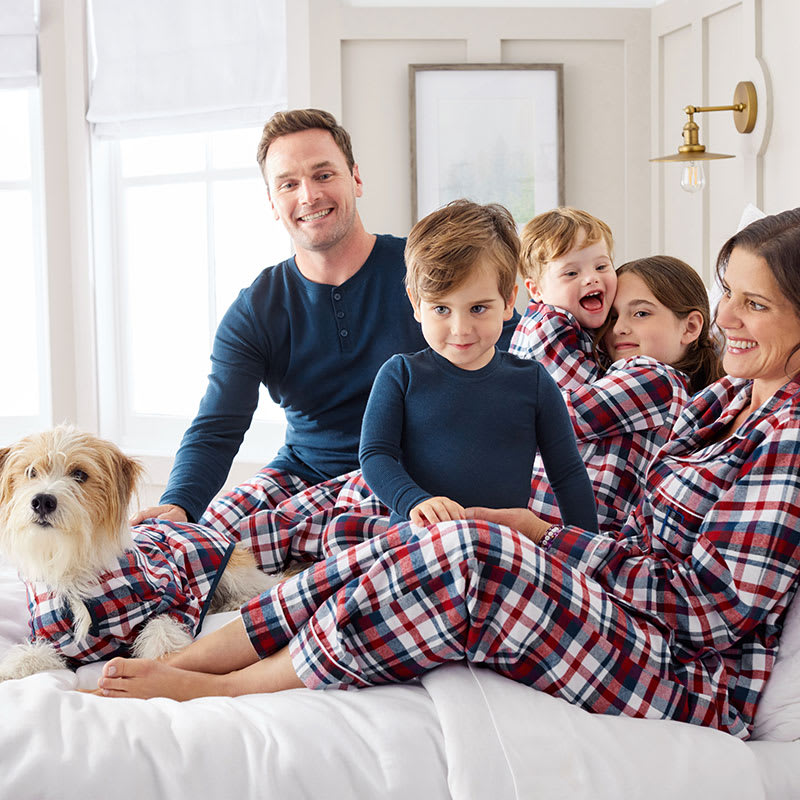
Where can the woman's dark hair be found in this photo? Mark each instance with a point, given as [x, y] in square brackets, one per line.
[678, 287]
[776, 239]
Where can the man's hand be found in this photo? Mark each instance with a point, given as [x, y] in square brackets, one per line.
[169, 512]
[436, 509]
[520, 519]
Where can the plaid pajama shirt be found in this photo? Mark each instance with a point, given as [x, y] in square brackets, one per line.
[621, 418]
[172, 569]
[677, 616]
[621, 421]
[554, 338]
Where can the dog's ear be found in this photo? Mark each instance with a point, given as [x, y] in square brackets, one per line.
[130, 472]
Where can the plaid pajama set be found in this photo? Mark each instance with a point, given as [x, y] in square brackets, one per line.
[172, 569]
[677, 616]
[621, 418]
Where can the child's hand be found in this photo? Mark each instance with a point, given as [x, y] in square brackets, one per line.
[436, 509]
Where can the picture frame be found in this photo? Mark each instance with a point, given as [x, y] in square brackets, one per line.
[488, 132]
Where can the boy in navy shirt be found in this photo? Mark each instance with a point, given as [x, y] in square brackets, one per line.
[458, 425]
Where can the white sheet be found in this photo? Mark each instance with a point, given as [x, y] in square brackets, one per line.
[54, 743]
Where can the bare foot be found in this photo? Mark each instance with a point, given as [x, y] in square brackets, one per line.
[143, 679]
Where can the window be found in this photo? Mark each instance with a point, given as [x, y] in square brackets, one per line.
[25, 386]
[182, 223]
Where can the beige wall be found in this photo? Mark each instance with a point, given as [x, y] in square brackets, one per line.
[700, 50]
[358, 68]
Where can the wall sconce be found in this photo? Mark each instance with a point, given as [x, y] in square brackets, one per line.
[692, 154]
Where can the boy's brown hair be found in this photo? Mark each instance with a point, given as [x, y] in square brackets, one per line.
[282, 123]
[444, 247]
[551, 235]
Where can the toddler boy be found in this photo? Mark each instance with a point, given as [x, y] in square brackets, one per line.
[459, 424]
[567, 268]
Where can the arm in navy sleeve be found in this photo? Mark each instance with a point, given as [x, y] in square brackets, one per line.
[562, 462]
[238, 361]
[381, 435]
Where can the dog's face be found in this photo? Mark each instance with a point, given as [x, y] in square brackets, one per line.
[64, 499]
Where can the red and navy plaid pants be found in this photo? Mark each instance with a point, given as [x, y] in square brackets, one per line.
[405, 601]
[282, 519]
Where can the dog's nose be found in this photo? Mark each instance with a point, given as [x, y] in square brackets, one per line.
[44, 504]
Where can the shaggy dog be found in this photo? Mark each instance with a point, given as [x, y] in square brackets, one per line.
[97, 588]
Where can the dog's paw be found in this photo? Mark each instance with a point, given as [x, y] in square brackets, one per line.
[28, 659]
[160, 636]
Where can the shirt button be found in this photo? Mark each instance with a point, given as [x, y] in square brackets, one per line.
[340, 314]
[342, 333]
[337, 296]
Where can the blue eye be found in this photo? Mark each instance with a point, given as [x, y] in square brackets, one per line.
[440, 310]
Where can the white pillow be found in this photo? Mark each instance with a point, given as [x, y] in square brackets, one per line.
[778, 711]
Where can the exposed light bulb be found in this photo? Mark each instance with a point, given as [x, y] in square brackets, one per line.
[693, 178]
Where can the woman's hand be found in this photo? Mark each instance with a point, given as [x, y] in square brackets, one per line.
[436, 509]
[520, 519]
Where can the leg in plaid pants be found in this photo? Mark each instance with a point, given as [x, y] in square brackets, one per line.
[279, 527]
[479, 592]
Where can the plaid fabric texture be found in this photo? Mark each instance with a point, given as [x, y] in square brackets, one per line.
[299, 529]
[266, 490]
[621, 421]
[677, 616]
[554, 338]
[172, 569]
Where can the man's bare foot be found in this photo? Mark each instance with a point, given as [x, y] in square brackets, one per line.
[143, 679]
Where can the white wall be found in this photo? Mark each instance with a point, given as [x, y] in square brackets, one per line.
[358, 68]
[700, 50]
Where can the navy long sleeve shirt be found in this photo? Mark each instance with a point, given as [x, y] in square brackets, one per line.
[317, 348]
[433, 429]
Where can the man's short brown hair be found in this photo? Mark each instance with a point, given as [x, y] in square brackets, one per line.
[444, 247]
[282, 123]
[551, 235]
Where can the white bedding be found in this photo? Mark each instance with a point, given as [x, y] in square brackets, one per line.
[463, 733]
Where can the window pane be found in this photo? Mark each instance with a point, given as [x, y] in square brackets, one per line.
[167, 297]
[15, 136]
[234, 149]
[163, 155]
[247, 237]
[19, 388]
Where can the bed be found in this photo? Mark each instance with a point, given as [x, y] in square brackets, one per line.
[460, 732]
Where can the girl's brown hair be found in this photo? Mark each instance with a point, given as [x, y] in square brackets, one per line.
[677, 286]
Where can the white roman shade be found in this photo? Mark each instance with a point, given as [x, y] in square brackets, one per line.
[171, 66]
[19, 26]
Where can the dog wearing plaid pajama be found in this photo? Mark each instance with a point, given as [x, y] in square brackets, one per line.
[97, 588]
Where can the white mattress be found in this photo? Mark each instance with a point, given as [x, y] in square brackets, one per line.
[461, 732]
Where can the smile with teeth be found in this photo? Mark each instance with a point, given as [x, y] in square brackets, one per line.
[741, 344]
[315, 215]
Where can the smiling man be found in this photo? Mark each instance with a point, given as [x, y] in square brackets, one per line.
[313, 329]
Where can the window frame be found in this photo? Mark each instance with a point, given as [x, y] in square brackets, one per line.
[154, 435]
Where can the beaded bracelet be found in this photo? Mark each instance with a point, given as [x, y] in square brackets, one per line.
[549, 535]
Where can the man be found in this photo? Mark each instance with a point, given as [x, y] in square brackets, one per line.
[313, 329]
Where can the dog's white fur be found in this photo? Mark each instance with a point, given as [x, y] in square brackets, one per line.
[91, 483]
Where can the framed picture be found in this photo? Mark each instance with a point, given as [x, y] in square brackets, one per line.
[493, 133]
